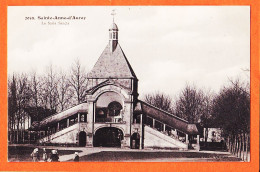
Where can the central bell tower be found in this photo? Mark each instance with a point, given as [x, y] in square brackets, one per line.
[113, 37]
[111, 95]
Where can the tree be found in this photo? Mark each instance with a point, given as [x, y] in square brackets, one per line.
[12, 107]
[231, 111]
[49, 89]
[38, 114]
[160, 100]
[78, 81]
[36, 87]
[189, 105]
[64, 91]
[23, 97]
[206, 120]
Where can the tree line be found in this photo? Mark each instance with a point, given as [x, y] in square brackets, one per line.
[39, 96]
[229, 110]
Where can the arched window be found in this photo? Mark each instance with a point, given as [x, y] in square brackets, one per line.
[82, 118]
[114, 108]
[101, 112]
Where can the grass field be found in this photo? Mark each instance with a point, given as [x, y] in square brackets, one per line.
[22, 153]
[157, 156]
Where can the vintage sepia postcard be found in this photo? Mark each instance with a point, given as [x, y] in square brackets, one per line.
[121, 86]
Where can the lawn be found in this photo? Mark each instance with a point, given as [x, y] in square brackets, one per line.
[22, 153]
[157, 156]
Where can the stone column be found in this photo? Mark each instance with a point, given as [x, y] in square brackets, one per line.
[58, 126]
[68, 122]
[153, 122]
[164, 126]
[128, 123]
[204, 134]
[187, 138]
[141, 131]
[29, 136]
[198, 142]
[29, 122]
[78, 117]
[90, 118]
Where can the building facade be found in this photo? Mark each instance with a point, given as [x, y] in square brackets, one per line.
[112, 115]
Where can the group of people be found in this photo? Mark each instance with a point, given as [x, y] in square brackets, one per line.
[53, 157]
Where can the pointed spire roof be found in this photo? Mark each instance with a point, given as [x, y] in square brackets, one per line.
[113, 27]
[112, 65]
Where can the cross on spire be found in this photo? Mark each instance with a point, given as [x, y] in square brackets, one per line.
[113, 14]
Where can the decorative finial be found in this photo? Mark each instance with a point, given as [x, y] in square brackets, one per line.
[113, 14]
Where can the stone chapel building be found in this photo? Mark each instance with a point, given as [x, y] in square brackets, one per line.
[112, 115]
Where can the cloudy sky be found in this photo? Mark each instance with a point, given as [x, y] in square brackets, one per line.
[166, 46]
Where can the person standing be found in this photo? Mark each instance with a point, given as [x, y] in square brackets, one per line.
[44, 155]
[35, 155]
[54, 156]
[76, 158]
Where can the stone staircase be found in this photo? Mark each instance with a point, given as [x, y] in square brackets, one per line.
[156, 139]
[62, 135]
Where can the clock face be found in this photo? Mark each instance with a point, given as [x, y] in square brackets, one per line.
[114, 108]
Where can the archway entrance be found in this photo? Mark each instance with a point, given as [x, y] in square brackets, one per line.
[108, 137]
[135, 141]
[82, 139]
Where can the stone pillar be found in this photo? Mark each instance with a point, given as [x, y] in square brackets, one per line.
[29, 136]
[153, 122]
[127, 141]
[187, 138]
[94, 113]
[58, 126]
[68, 122]
[198, 142]
[128, 119]
[164, 126]
[141, 131]
[29, 122]
[204, 134]
[78, 117]
[90, 118]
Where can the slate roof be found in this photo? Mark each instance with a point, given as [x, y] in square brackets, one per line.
[112, 65]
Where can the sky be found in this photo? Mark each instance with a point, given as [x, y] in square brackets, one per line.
[167, 46]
